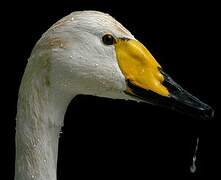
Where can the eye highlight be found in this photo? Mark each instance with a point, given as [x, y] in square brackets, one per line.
[108, 39]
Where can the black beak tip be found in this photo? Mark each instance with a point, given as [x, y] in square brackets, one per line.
[208, 113]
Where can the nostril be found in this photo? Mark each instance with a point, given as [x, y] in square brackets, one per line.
[159, 76]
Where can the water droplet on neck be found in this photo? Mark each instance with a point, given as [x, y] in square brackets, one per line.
[32, 176]
[61, 45]
[59, 134]
[54, 50]
[44, 160]
[72, 18]
[71, 57]
[193, 166]
[96, 64]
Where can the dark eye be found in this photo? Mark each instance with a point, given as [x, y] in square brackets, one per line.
[108, 39]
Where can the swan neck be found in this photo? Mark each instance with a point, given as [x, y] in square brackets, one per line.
[40, 114]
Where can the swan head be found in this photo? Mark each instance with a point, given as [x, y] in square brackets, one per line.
[89, 52]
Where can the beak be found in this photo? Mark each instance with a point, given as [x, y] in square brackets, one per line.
[147, 81]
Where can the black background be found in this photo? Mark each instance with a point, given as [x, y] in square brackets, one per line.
[105, 138]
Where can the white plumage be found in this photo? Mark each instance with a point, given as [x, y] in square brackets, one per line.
[69, 59]
[72, 58]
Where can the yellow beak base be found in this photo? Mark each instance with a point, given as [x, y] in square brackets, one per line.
[139, 66]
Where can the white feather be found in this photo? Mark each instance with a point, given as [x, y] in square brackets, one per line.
[69, 59]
